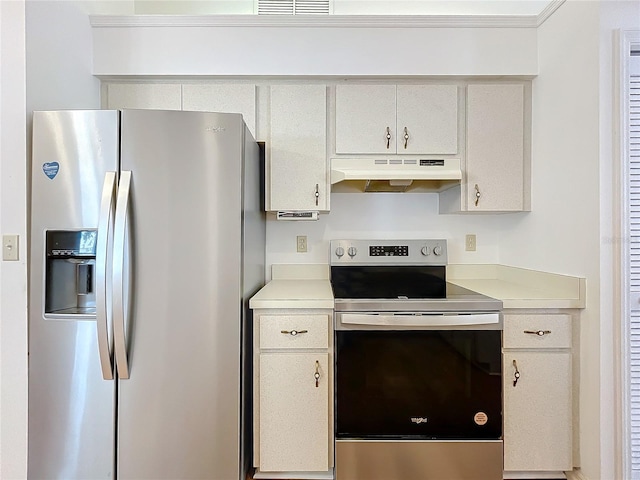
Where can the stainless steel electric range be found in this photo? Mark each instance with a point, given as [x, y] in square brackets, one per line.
[418, 377]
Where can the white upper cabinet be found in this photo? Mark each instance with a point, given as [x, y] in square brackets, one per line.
[205, 97]
[365, 119]
[498, 151]
[396, 119]
[297, 176]
[429, 113]
[153, 96]
[222, 97]
[495, 148]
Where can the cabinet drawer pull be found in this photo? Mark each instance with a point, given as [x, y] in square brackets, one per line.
[540, 333]
[293, 333]
[317, 194]
[406, 137]
[516, 374]
[477, 194]
[388, 137]
[317, 374]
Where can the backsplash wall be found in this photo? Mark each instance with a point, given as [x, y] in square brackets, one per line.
[384, 216]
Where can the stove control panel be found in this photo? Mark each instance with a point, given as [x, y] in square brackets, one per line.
[387, 252]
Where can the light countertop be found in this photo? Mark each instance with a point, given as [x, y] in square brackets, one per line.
[308, 286]
[296, 286]
[520, 287]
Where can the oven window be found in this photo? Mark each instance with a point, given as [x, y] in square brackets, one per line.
[419, 384]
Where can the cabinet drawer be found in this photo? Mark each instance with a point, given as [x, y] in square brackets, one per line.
[549, 331]
[294, 331]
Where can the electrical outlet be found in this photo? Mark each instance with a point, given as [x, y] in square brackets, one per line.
[301, 243]
[470, 243]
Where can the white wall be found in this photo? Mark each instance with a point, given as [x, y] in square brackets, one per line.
[562, 232]
[13, 275]
[45, 63]
[59, 57]
[570, 227]
[383, 215]
[238, 45]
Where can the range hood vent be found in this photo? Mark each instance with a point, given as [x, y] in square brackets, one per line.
[394, 175]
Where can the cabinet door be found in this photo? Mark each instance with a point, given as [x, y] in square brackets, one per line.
[294, 412]
[298, 148]
[154, 96]
[495, 147]
[218, 97]
[537, 411]
[363, 115]
[429, 113]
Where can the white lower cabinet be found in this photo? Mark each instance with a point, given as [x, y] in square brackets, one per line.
[294, 412]
[293, 392]
[537, 393]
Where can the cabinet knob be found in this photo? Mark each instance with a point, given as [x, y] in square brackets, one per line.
[293, 333]
[477, 194]
[540, 333]
[388, 137]
[516, 374]
[317, 374]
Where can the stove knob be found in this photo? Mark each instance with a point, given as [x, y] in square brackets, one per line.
[437, 250]
[339, 252]
[352, 251]
[425, 251]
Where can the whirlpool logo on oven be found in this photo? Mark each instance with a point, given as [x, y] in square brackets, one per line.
[419, 420]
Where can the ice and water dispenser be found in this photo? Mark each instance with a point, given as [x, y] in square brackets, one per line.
[70, 274]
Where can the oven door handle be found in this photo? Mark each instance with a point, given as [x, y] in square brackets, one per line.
[419, 320]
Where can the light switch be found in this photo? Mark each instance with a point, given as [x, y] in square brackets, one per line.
[10, 247]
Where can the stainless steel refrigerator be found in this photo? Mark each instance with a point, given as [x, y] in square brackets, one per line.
[147, 240]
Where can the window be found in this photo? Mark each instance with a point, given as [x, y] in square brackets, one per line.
[630, 331]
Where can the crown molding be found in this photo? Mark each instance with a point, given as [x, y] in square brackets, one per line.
[321, 21]
[329, 21]
[548, 11]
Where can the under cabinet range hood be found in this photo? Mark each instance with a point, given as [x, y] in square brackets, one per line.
[394, 175]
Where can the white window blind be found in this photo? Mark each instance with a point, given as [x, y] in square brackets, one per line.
[634, 170]
[294, 7]
[633, 208]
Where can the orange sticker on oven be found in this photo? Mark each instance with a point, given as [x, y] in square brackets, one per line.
[480, 418]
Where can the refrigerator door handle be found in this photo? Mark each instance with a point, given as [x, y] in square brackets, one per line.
[119, 313]
[105, 225]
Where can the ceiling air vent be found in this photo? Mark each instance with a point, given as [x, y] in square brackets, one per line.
[293, 7]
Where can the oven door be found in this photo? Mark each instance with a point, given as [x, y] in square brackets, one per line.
[418, 382]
